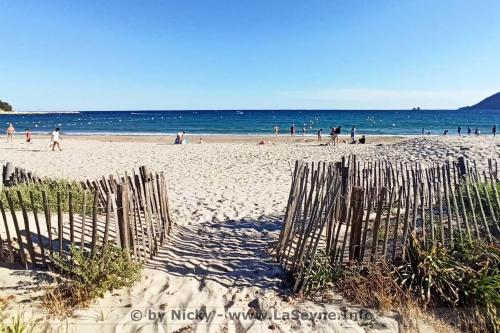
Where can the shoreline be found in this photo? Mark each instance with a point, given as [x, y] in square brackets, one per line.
[213, 138]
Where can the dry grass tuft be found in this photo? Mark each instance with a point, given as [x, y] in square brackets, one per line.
[62, 300]
[371, 286]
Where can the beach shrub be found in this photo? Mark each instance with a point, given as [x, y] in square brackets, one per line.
[435, 284]
[89, 277]
[51, 188]
[464, 278]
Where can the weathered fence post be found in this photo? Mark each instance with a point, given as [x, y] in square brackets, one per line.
[123, 216]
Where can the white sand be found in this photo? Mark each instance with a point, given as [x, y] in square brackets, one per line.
[228, 200]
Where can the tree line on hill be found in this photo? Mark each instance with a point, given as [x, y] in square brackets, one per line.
[4, 106]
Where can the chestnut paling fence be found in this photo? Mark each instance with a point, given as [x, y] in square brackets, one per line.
[130, 210]
[364, 212]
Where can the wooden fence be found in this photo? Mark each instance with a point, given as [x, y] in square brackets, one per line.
[12, 175]
[130, 210]
[361, 212]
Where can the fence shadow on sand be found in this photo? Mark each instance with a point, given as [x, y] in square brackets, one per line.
[231, 253]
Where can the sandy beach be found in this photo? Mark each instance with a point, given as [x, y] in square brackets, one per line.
[228, 197]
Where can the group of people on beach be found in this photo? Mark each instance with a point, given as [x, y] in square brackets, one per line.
[55, 137]
[334, 134]
[477, 132]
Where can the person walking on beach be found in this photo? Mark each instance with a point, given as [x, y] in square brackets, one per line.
[10, 132]
[303, 130]
[292, 130]
[56, 139]
[468, 130]
[319, 134]
[353, 134]
[28, 135]
[459, 131]
[338, 130]
[494, 130]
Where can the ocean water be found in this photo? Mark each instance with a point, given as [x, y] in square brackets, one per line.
[254, 122]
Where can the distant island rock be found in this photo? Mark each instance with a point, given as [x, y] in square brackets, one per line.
[4, 106]
[489, 103]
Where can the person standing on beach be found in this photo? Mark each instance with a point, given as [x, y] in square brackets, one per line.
[303, 130]
[292, 130]
[28, 135]
[56, 139]
[332, 134]
[494, 130]
[468, 130]
[423, 131]
[477, 132]
[10, 132]
[319, 134]
[338, 130]
[276, 130]
[353, 134]
[459, 131]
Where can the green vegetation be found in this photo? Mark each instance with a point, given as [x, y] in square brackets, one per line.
[51, 188]
[89, 277]
[18, 324]
[4, 106]
[463, 280]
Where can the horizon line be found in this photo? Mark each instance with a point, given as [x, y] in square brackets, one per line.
[240, 109]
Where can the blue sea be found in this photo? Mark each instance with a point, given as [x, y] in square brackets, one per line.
[253, 122]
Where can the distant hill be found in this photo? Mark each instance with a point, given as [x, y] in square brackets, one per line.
[489, 103]
[4, 106]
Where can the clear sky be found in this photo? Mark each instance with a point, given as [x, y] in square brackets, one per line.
[238, 54]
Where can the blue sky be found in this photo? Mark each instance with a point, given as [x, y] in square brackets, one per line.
[122, 55]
